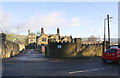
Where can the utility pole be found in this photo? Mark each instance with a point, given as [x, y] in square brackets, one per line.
[18, 30]
[18, 34]
[104, 43]
[108, 30]
[108, 18]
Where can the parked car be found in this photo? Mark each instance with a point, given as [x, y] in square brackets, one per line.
[111, 54]
[114, 47]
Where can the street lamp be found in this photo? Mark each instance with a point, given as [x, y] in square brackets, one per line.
[111, 17]
[104, 48]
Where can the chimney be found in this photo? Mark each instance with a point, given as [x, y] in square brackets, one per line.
[28, 32]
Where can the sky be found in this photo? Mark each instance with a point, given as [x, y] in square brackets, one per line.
[79, 19]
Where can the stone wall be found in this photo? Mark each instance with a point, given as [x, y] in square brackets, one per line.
[90, 50]
[21, 47]
[73, 50]
[9, 48]
[59, 50]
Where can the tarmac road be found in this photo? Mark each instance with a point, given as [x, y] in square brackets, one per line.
[32, 63]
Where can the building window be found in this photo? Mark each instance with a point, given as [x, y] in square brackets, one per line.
[43, 39]
[54, 39]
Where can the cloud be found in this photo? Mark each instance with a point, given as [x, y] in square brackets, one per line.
[51, 19]
[35, 22]
[5, 19]
[5, 22]
[93, 30]
[74, 22]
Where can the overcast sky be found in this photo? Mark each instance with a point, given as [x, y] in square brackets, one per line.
[79, 19]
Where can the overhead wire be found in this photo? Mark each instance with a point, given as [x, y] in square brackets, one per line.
[97, 9]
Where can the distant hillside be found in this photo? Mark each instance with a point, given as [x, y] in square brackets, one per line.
[17, 38]
[113, 40]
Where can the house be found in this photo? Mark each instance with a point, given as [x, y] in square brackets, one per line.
[31, 37]
[44, 39]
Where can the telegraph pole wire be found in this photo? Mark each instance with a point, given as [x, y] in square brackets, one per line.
[97, 9]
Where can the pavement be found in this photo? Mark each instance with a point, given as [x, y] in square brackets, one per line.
[34, 64]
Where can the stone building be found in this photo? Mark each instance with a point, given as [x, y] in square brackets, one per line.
[43, 39]
[66, 39]
[92, 39]
[31, 37]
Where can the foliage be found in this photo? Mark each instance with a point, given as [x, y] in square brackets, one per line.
[22, 39]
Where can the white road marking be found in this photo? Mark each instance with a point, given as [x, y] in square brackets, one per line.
[88, 70]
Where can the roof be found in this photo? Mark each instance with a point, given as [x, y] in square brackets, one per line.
[41, 35]
[92, 36]
[68, 37]
[53, 35]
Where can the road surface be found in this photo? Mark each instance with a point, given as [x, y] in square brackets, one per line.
[33, 64]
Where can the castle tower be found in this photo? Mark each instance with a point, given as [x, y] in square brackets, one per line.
[42, 30]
